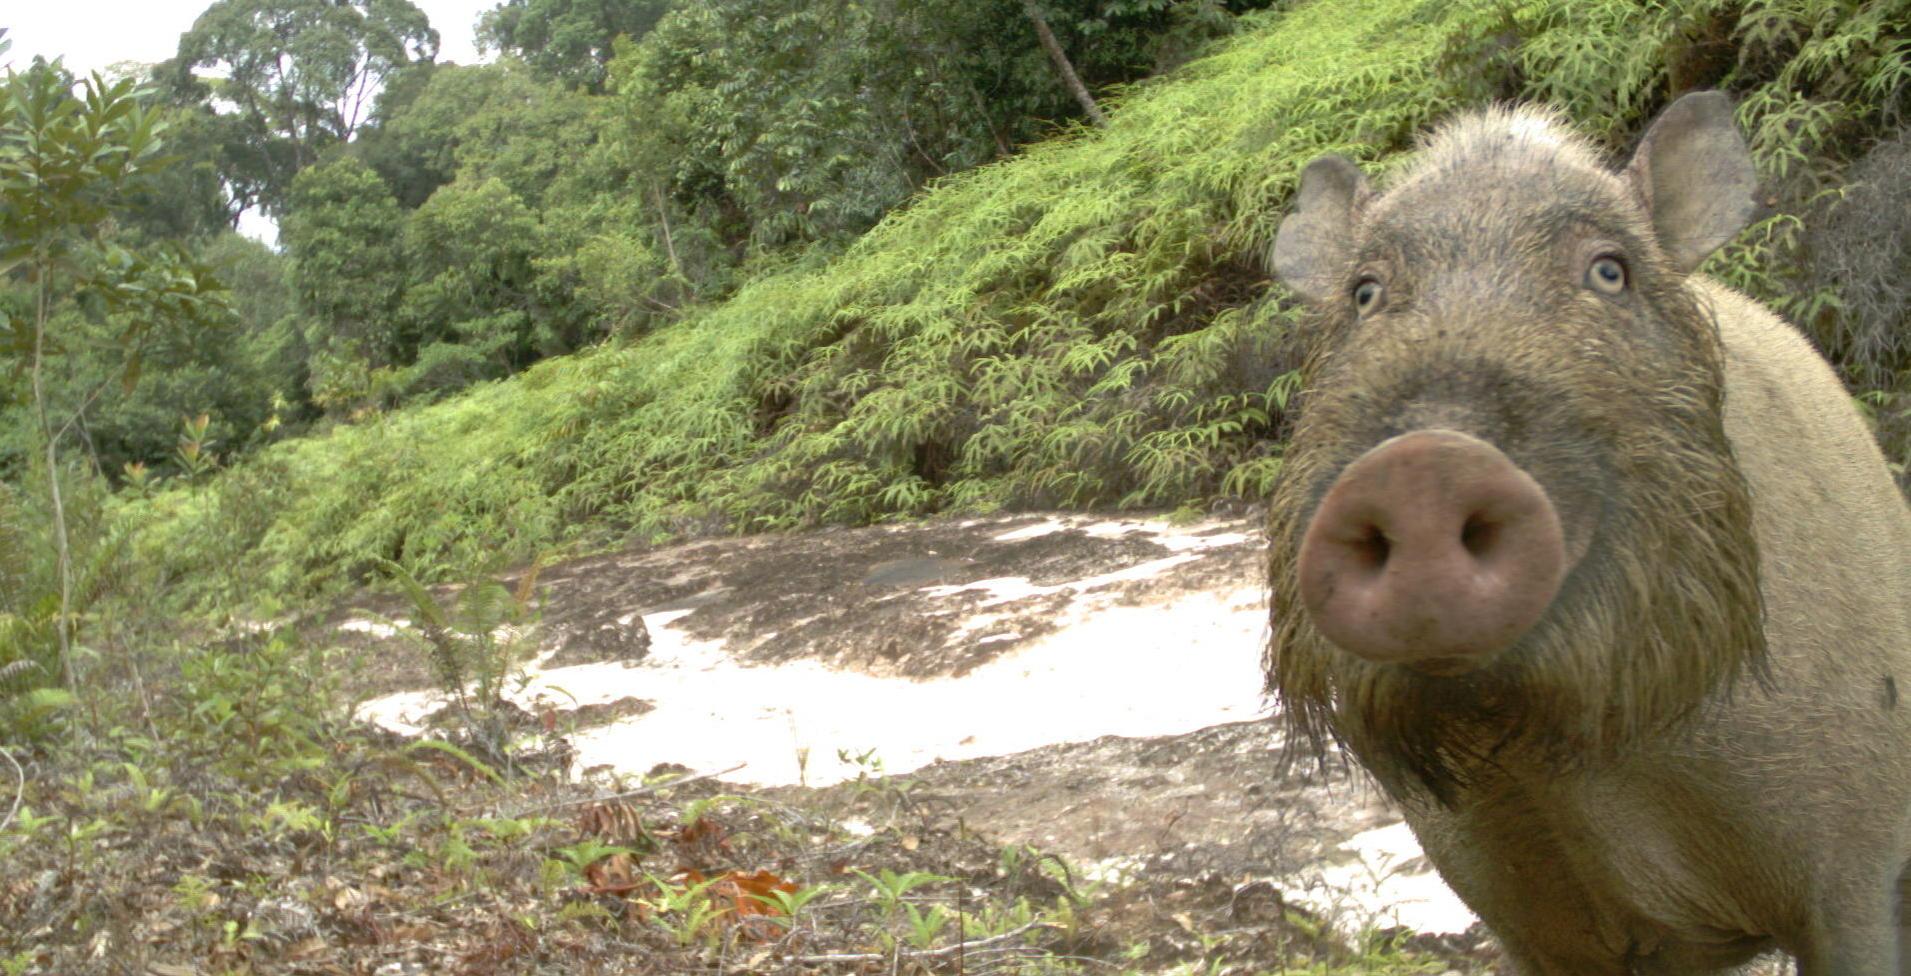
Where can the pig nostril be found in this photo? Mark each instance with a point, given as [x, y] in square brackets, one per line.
[1373, 548]
[1478, 536]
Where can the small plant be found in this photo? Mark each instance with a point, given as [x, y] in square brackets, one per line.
[233, 932]
[509, 830]
[685, 911]
[994, 920]
[926, 927]
[455, 853]
[784, 905]
[194, 454]
[195, 893]
[138, 480]
[890, 887]
[81, 837]
[871, 782]
[262, 706]
[474, 645]
[151, 799]
[387, 835]
[580, 856]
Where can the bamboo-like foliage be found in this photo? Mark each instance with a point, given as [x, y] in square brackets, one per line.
[1088, 324]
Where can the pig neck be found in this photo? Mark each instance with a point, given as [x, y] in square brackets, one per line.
[1750, 794]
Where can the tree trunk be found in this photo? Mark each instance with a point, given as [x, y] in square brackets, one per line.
[663, 217]
[62, 626]
[1055, 54]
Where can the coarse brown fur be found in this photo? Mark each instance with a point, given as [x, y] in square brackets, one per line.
[1676, 568]
[1650, 779]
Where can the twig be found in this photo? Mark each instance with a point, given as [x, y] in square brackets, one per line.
[19, 792]
[913, 954]
[652, 788]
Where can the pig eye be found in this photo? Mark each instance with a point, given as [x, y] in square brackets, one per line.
[1366, 295]
[1607, 275]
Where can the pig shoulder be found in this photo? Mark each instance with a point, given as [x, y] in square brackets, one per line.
[1834, 532]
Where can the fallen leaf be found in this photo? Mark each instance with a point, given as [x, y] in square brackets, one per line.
[614, 875]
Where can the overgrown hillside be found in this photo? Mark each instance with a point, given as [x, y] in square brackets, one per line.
[1087, 324]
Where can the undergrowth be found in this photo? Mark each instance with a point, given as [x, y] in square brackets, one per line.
[239, 824]
[1087, 325]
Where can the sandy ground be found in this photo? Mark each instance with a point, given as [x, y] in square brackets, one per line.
[1091, 686]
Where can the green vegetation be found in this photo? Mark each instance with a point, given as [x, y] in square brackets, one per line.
[1085, 325]
[69, 157]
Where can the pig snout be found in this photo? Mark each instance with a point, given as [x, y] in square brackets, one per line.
[1432, 550]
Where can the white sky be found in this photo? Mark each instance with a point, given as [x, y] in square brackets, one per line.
[96, 34]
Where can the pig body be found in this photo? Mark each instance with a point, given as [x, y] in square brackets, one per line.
[1687, 747]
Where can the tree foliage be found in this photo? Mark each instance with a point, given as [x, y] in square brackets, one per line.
[570, 40]
[68, 156]
[344, 238]
[299, 75]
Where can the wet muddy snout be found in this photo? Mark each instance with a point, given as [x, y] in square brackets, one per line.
[1432, 550]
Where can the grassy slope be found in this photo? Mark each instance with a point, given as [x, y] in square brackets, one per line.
[1083, 325]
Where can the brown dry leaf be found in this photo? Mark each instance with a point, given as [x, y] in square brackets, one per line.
[613, 875]
[747, 891]
[502, 942]
[751, 908]
[527, 585]
[168, 969]
[616, 821]
[413, 932]
[310, 947]
[704, 832]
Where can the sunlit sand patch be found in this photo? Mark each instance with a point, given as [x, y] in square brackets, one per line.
[1385, 883]
[1132, 671]
[380, 629]
[1159, 668]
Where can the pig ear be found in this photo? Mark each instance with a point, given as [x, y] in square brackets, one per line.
[1315, 242]
[1694, 175]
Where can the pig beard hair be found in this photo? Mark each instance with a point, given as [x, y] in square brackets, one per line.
[1657, 623]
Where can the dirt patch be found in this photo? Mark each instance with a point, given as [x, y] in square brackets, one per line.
[1199, 802]
[886, 600]
[593, 715]
[1176, 840]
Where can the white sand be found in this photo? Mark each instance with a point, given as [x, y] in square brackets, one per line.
[1165, 668]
